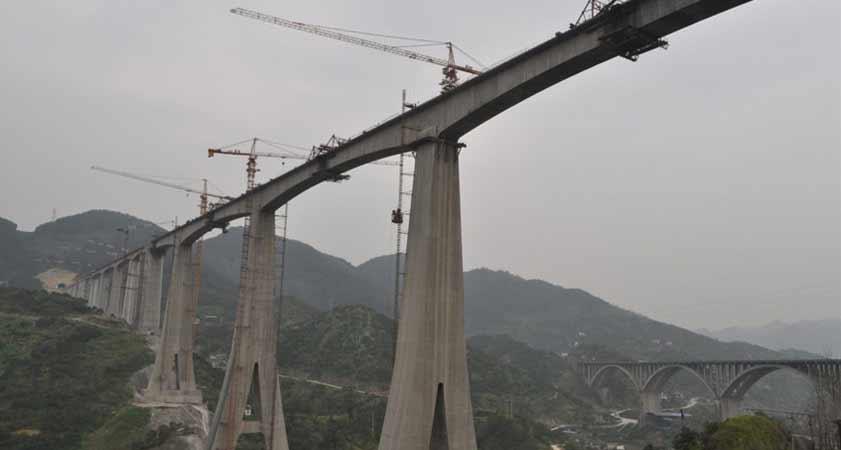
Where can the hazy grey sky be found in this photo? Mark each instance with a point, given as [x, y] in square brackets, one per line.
[700, 185]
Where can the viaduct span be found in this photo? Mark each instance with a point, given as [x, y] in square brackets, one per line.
[429, 402]
[727, 381]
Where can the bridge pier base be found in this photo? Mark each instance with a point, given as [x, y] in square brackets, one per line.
[173, 379]
[728, 408]
[649, 404]
[429, 404]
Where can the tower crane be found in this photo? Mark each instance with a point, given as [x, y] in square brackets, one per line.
[204, 206]
[204, 196]
[250, 183]
[252, 155]
[450, 68]
[251, 173]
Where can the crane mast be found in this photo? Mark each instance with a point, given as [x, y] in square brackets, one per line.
[450, 68]
[280, 219]
[204, 206]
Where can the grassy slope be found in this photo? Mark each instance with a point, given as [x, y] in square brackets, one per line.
[59, 378]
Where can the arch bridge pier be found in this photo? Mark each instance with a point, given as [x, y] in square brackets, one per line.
[727, 381]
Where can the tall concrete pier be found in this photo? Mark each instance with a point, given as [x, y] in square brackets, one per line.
[173, 378]
[151, 285]
[429, 402]
[252, 364]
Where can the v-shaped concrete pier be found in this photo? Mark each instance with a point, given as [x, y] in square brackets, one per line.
[429, 402]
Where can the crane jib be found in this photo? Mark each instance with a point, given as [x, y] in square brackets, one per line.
[324, 32]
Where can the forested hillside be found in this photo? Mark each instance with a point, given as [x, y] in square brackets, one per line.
[541, 314]
[77, 243]
[63, 371]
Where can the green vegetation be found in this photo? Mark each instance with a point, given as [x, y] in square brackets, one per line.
[352, 346]
[60, 378]
[539, 385]
[348, 343]
[125, 428]
[739, 433]
[502, 433]
[77, 243]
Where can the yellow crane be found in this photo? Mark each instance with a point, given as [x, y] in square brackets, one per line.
[288, 152]
[250, 183]
[450, 68]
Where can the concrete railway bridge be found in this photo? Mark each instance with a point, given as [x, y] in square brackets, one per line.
[727, 381]
[429, 400]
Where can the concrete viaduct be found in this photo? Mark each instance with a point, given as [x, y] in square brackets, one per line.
[727, 381]
[429, 400]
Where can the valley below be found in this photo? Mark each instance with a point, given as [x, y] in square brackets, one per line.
[335, 351]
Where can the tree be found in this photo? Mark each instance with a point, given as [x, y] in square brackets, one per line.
[748, 433]
[687, 439]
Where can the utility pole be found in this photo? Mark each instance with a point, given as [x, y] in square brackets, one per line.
[125, 232]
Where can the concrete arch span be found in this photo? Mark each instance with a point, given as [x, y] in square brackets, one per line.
[748, 378]
[661, 376]
[600, 374]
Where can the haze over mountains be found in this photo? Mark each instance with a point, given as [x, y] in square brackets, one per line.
[543, 315]
[822, 337]
[506, 315]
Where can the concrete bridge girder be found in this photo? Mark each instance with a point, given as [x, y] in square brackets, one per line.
[476, 101]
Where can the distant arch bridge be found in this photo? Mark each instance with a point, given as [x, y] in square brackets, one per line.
[727, 381]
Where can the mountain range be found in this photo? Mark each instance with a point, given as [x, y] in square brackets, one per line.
[546, 316]
[822, 337]
[506, 315]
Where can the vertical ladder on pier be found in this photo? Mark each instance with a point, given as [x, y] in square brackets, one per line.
[280, 223]
[400, 217]
[250, 184]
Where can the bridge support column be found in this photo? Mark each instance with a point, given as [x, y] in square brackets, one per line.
[92, 293]
[99, 294]
[429, 404]
[86, 291]
[151, 285]
[131, 291]
[252, 364]
[729, 407]
[117, 292]
[105, 294]
[650, 404]
[173, 379]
